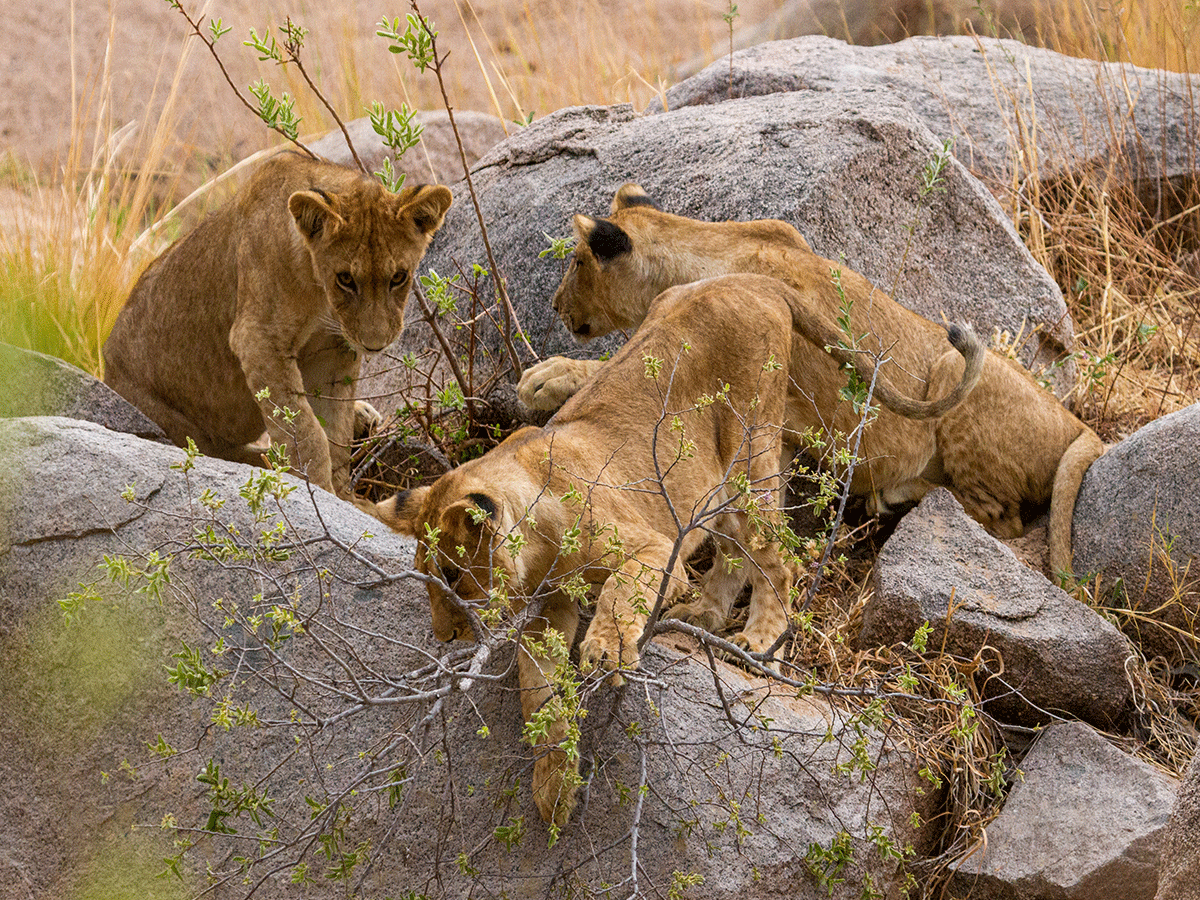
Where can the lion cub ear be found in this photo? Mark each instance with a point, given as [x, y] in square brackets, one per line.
[312, 213]
[401, 512]
[631, 195]
[426, 204]
[606, 240]
[470, 520]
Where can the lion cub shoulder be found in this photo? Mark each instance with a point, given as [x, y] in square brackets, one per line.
[268, 305]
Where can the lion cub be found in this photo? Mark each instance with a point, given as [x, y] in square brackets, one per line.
[1008, 446]
[270, 304]
[677, 437]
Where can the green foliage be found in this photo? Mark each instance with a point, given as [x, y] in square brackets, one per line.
[560, 247]
[278, 113]
[191, 674]
[400, 133]
[228, 803]
[415, 42]
[827, 863]
[437, 289]
[509, 836]
[681, 882]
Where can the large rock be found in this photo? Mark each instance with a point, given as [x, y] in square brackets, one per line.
[39, 385]
[1137, 520]
[845, 168]
[1059, 657]
[435, 160]
[1086, 822]
[1179, 871]
[1000, 100]
[866, 22]
[736, 798]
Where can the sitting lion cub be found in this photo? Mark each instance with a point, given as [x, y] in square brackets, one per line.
[270, 304]
[677, 437]
[1008, 445]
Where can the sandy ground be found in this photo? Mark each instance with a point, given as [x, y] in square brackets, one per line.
[70, 66]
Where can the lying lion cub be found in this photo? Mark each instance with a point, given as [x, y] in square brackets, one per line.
[1008, 445]
[676, 437]
[270, 304]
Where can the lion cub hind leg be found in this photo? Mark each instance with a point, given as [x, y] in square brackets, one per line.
[552, 382]
[718, 591]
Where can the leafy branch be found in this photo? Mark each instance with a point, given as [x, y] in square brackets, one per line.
[293, 42]
[419, 43]
[276, 114]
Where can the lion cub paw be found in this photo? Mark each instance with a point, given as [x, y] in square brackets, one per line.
[603, 652]
[554, 786]
[754, 642]
[697, 613]
[551, 383]
[366, 418]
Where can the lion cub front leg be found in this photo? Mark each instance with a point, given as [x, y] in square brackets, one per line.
[274, 379]
[539, 656]
[552, 382]
[622, 610]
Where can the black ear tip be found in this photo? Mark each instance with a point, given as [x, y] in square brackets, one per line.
[484, 502]
[633, 195]
[608, 240]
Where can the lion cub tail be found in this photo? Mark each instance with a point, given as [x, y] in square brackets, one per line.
[1082, 452]
[962, 338]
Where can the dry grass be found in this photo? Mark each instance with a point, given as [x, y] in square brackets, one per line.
[1128, 263]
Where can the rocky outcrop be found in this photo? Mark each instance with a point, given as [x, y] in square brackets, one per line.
[1179, 875]
[730, 786]
[867, 22]
[39, 385]
[1137, 527]
[1045, 654]
[1012, 110]
[1084, 822]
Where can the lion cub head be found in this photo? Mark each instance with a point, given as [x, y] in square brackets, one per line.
[365, 243]
[604, 288]
[460, 525]
[623, 262]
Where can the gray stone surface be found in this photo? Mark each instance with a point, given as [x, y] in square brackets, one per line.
[866, 22]
[1179, 871]
[991, 96]
[39, 385]
[844, 168]
[1059, 657]
[1138, 519]
[738, 807]
[1085, 823]
[435, 160]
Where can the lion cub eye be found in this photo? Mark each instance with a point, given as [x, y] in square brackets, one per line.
[451, 574]
[399, 279]
[346, 282]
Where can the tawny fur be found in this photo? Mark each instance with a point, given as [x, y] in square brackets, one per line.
[608, 443]
[284, 288]
[1008, 445]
